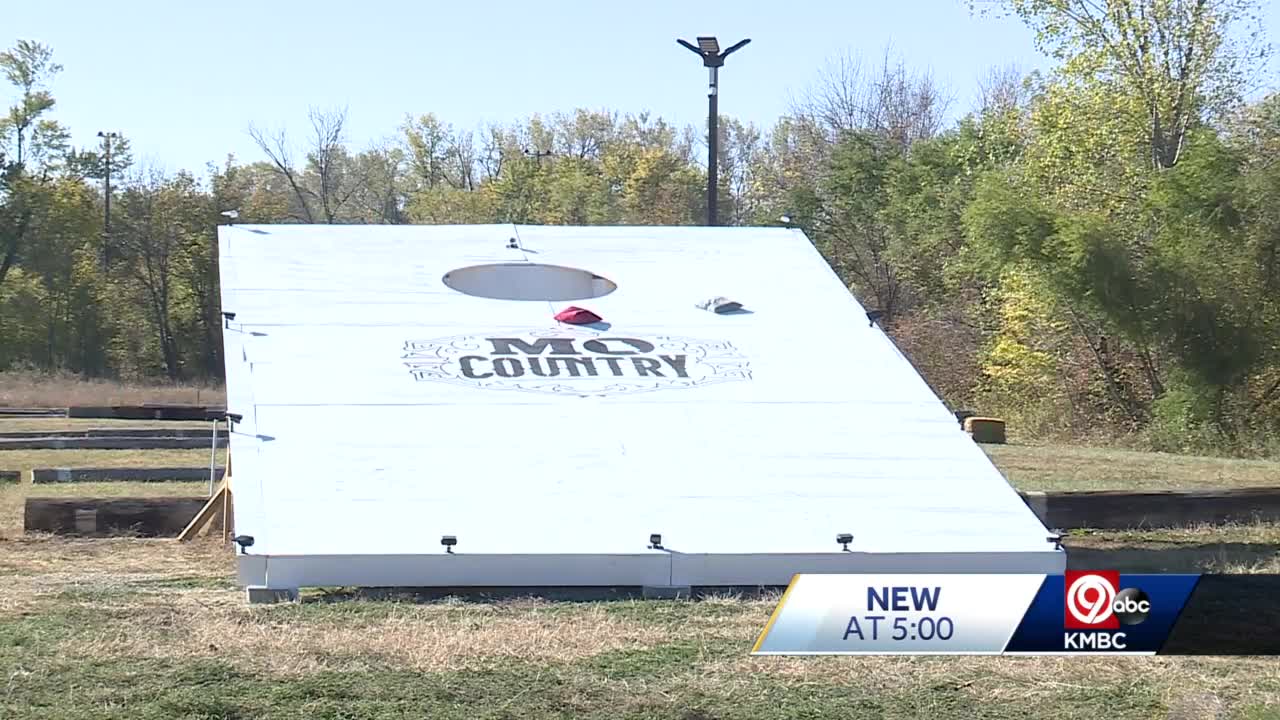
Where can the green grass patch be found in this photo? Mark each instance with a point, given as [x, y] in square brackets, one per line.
[29, 459]
[38, 633]
[219, 690]
[1062, 467]
[185, 582]
[57, 424]
[1253, 534]
[676, 612]
[92, 594]
[199, 488]
[651, 663]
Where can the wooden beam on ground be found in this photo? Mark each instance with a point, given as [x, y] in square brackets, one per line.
[108, 443]
[149, 412]
[32, 412]
[73, 475]
[200, 431]
[1126, 509]
[98, 517]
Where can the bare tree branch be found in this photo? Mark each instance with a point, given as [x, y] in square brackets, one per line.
[276, 148]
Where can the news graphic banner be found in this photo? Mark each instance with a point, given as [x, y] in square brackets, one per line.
[1080, 612]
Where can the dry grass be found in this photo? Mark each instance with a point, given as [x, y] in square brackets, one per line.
[1060, 467]
[204, 616]
[424, 638]
[1182, 682]
[31, 424]
[29, 459]
[166, 614]
[27, 389]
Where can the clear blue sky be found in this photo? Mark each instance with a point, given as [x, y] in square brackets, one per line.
[184, 80]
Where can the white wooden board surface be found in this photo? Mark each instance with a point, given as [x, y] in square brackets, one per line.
[377, 416]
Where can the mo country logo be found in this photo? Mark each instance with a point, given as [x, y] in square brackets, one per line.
[562, 362]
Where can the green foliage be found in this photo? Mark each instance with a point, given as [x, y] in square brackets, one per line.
[1142, 219]
[1015, 364]
[1182, 418]
[21, 319]
[1163, 64]
[29, 138]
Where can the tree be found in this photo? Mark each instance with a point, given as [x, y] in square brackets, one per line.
[92, 162]
[30, 145]
[323, 188]
[890, 100]
[1122, 204]
[30, 139]
[162, 219]
[1177, 59]
[437, 155]
[20, 198]
[850, 228]
[834, 160]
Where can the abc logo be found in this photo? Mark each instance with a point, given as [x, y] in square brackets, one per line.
[1131, 606]
[1094, 601]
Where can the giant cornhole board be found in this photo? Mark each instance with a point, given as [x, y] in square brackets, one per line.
[402, 384]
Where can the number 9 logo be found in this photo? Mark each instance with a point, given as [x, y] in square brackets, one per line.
[1090, 599]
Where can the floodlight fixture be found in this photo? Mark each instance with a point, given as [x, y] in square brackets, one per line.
[873, 316]
[232, 214]
[708, 48]
[448, 541]
[1056, 539]
[655, 541]
[244, 541]
[844, 539]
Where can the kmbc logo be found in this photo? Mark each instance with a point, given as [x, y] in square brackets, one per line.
[1094, 601]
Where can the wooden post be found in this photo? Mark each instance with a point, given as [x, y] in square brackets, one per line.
[218, 504]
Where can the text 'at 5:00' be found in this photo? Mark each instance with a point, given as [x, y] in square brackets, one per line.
[912, 599]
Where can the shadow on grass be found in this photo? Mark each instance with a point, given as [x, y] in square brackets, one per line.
[1179, 558]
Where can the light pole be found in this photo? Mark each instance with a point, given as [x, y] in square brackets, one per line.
[708, 48]
[106, 195]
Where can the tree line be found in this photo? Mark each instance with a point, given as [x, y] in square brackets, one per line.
[1091, 251]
